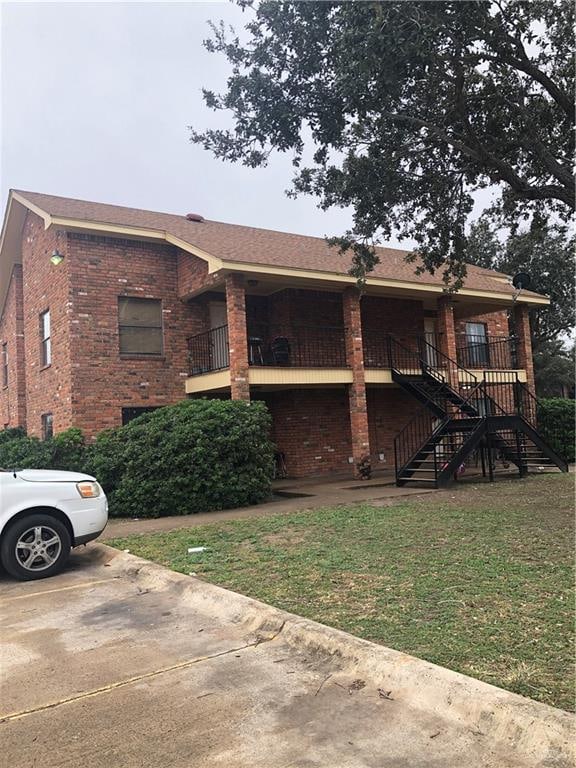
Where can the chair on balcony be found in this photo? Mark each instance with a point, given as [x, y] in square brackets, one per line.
[280, 348]
[255, 347]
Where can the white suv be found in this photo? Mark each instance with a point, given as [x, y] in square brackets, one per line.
[43, 513]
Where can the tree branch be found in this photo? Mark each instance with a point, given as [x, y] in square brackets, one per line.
[520, 186]
[524, 64]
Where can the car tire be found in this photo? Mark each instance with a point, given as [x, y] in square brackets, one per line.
[35, 547]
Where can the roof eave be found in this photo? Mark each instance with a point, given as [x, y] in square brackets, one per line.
[14, 220]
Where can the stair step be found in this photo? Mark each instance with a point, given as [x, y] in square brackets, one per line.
[418, 479]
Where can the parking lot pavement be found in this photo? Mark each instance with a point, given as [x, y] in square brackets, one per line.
[108, 665]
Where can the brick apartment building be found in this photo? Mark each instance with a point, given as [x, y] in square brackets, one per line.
[107, 311]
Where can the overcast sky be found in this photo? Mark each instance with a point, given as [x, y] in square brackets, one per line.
[96, 103]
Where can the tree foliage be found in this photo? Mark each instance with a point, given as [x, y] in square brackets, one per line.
[546, 252]
[407, 108]
[554, 369]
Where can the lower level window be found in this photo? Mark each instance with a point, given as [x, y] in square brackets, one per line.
[47, 426]
[132, 413]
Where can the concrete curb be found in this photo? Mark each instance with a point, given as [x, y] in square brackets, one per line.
[539, 734]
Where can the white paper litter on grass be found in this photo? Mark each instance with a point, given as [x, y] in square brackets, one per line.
[192, 550]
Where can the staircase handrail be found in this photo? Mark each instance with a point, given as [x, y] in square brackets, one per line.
[478, 387]
[401, 436]
[534, 403]
[439, 354]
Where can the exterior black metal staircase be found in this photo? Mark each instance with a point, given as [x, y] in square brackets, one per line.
[496, 415]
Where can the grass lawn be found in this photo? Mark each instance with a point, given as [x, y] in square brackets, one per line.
[478, 579]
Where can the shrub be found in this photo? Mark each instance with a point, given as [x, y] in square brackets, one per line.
[195, 456]
[23, 452]
[68, 450]
[556, 424]
[65, 451]
[12, 433]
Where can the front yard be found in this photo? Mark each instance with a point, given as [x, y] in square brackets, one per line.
[478, 579]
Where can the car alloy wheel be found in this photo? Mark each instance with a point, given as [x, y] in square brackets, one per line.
[38, 548]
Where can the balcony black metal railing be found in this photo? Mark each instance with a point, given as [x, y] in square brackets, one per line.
[209, 351]
[378, 349]
[296, 346]
[492, 352]
[486, 352]
[312, 346]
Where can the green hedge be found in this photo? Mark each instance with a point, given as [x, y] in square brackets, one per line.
[196, 456]
[556, 420]
[64, 451]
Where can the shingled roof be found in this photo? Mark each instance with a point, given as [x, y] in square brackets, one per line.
[249, 245]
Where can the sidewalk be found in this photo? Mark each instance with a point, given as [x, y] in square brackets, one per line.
[309, 493]
[120, 662]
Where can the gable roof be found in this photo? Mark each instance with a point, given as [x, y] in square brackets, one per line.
[231, 244]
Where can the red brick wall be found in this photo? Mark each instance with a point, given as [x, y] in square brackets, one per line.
[356, 390]
[404, 318]
[295, 307]
[312, 428]
[496, 323]
[237, 337]
[13, 397]
[497, 326]
[389, 410]
[192, 274]
[45, 286]
[381, 317]
[103, 381]
[525, 357]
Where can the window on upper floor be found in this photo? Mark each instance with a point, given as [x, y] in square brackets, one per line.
[45, 339]
[47, 426]
[476, 342]
[140, 326]
[4, 364]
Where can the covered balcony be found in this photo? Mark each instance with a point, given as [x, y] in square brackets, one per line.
[324, 346]
[486, 352]
[296, 346]
[278, 354]
[472, 353]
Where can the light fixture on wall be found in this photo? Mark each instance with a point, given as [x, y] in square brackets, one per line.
[56, 258]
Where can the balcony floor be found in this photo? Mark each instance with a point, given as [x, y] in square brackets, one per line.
[272, 376]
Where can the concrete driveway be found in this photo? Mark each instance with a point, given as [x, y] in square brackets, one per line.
[118, 662]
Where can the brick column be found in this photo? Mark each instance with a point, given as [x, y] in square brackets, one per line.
[447, 337]
[357, 390]
[237, 337]
[524, 344]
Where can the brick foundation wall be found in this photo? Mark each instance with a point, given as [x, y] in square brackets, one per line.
[312, 428]
[389, 410]
[13, 397]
